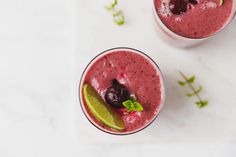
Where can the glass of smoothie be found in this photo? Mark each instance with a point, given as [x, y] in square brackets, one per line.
[121, 91]
[184, 23]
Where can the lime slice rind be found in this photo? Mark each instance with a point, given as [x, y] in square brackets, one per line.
[101, 110]
[221, 2]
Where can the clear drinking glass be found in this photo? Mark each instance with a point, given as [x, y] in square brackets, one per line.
[86, 111]
[180, 41]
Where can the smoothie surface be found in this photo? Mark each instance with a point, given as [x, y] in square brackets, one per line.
[200, 20]
[138, 73]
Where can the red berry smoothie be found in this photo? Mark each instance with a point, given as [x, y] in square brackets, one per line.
[194, 18]
[135, 71]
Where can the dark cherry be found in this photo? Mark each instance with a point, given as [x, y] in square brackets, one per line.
[194, 2]
[116, 94]
[178, 6]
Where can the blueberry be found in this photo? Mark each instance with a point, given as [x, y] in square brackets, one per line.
[116, 94]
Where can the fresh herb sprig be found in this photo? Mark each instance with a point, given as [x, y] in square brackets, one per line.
[195, 91]
[118, 16]
[132, 105]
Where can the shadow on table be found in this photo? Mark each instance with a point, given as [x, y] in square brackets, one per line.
[175, 107]
[226, 38]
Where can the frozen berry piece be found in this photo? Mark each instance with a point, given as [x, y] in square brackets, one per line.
[116, 94]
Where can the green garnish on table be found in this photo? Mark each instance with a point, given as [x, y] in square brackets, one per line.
[189, 81]
[118, 16]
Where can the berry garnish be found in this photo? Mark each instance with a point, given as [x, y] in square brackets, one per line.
[116, 94]
[194, 2]
[178, 6]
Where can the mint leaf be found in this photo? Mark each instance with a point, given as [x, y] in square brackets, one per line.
[128, 105]
[132, 105]
[190, 94]
[114, 3]
[138, 106]
[201, 104]
[181, 83]
[111, 6]
[191, 79]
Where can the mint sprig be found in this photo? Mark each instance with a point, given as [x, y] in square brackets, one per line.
[195, 91]
[118, 16]
[132, 105]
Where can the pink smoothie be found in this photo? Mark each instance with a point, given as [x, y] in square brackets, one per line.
[139, 74]
[200, 20]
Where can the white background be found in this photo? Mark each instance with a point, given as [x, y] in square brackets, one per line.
[44, 47]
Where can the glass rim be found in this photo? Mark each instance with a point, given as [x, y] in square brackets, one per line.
[202, 38]
[163, 90]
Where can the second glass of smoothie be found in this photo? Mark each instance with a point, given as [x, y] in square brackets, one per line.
[184, 23]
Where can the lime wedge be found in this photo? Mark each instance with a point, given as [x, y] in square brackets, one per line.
[101, 110]
[221, 2]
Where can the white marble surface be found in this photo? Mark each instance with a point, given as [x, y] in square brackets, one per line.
[45, 45]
